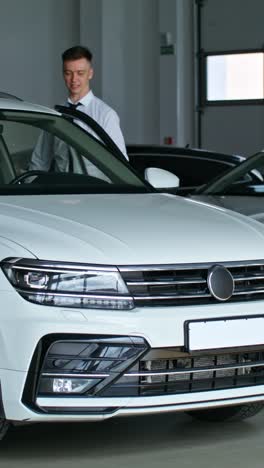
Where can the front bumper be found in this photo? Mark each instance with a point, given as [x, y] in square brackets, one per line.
[15, 410]
[158, 327]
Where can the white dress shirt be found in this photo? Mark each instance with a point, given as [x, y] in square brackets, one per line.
[104, 116]
[50, 149]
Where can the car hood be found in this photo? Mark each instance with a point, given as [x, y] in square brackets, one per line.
[248, 205]
[128, 229]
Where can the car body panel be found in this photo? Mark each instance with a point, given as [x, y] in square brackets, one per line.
[88, 228]
[17, 105]
[247, 205]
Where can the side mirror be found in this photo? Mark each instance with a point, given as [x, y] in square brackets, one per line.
[161, 179]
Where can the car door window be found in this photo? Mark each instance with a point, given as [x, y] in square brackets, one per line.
[20, 140]
[23, 142]
[48, 150]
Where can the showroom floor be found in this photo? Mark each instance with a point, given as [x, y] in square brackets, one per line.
[163, 441]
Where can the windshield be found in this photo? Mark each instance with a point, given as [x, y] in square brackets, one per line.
[245, 179]
[46, 153]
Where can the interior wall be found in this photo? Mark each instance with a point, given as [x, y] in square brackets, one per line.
[124, 36]
[152, 93]
[33, 34]
[142, 75]
[232, 24]
[91, 37]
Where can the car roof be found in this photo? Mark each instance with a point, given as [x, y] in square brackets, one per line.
[171, 150]
[17, 104]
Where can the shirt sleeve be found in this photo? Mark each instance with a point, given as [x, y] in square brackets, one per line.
[112, 127]
[42, 154]
[50, 152]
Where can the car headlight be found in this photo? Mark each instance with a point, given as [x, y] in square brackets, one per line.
[68, 284]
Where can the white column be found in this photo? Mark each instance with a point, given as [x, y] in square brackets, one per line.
[168, 64]
[185, 72]
[177, 72]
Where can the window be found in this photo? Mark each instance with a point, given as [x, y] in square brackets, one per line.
[234, 77]
[43, 153]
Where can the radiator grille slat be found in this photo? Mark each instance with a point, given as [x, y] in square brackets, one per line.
[194, 373]
[163, 285]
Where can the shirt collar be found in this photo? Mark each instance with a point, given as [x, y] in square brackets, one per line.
[85, 100]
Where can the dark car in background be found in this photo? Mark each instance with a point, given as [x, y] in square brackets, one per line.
[241, 189]
[225, 180]
[193, 166]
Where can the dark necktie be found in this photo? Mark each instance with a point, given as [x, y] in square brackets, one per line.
[74, 106]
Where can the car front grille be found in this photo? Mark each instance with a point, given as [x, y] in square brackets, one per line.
[163, 372]
[167, 285]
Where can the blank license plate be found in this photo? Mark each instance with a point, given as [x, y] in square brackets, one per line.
[229, 333]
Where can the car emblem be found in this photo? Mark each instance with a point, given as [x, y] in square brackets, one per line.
[220, 282]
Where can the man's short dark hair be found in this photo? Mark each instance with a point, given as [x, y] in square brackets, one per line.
[77, 52]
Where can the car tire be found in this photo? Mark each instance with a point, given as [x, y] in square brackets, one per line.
[227, 413]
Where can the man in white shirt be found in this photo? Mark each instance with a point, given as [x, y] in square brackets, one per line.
[77, 73]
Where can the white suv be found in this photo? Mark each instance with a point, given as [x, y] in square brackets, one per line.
[118, 299]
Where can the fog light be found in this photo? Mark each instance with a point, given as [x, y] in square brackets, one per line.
[62, 385]
[49, 385]
[72, 385]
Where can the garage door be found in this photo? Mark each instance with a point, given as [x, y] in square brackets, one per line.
[231, 75]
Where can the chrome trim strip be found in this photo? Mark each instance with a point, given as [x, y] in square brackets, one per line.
[77, 295]
[66, 269]
[100, 376]
[50, 270]
[248, 278]
[128, 268]
[188, 266]
[164, 283]
[189, 296]
[192, 296]
[195, 370]
[149, 268]
[245, 291]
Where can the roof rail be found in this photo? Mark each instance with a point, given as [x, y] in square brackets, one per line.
[9, 96]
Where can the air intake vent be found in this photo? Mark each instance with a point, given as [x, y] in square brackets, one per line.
[163, 372]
